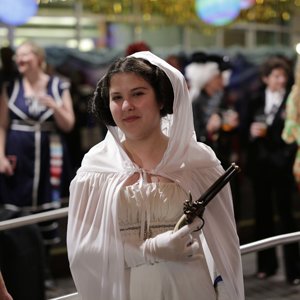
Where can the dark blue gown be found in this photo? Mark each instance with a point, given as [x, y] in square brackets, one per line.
[37, 150]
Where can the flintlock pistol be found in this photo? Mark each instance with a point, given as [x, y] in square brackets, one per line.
[193, 209]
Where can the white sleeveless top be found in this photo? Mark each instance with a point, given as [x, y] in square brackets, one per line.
[145, 210]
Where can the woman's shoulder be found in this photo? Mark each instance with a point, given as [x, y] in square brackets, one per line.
[94, 154]
[9, 85]
[60, 82]
[203, 153]
[103, 157]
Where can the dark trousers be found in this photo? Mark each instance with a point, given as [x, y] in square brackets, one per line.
[273, 192]
[22, 262]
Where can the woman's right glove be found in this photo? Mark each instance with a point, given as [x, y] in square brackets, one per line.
[180, 245]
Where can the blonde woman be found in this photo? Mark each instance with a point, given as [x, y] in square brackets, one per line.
[35, 109]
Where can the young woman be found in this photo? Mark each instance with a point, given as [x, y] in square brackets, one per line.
[129, 192]
[35, 109]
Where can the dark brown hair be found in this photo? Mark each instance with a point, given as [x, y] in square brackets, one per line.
[272, 63]
[156, 77]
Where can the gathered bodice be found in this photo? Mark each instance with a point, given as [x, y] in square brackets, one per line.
[148, 209]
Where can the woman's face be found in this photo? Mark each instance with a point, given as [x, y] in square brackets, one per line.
[26, 59]
[133, 106]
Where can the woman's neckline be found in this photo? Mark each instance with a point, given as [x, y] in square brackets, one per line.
[146, 178]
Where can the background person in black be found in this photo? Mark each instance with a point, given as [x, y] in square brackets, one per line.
[269, 166]
[8, 70]
[215, 117]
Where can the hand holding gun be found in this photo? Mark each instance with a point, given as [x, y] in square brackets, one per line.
[193, 209]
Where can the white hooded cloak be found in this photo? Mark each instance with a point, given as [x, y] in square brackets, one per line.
[95, 249]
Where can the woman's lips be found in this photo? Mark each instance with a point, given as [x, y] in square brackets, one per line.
[130, 119]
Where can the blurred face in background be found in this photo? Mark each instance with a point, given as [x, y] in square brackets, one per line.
[214, 85]
[276, 80]
[26, 59]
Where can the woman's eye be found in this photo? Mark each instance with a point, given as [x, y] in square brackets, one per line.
[138, 93]
[116, 98]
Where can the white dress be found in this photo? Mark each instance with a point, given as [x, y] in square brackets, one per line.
[145, 211]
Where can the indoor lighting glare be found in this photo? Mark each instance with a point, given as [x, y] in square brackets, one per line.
[72, 43]
[86, 45]
[298, 48]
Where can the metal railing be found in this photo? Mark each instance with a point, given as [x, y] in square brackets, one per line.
[32, 219]
[63, 212]
[73, 296]
[270, 242]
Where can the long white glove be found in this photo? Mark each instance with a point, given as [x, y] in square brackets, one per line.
[173, 246]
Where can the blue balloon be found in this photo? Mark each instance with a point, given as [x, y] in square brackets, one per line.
[17, 12]
[218, 12]
[245, 4]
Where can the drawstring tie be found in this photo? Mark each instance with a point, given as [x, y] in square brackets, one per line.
[145, 205]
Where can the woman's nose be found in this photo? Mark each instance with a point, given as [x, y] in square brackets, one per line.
[282, 79]
[127, 105]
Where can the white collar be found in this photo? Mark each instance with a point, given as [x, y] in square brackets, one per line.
[273, 99]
